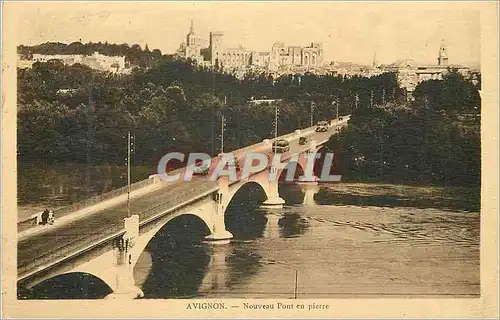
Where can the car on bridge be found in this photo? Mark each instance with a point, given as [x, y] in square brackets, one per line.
[281, 146]
[303, 140]
[322, 126]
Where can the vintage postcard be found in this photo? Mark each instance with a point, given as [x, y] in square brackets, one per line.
[250, 159]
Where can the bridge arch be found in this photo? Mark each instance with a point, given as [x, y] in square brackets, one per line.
[301, 164]
[260, 179]
[115, 278]
[298, 166]
[72, 285]
[203, 214]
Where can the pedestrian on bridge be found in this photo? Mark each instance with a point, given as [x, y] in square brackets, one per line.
[45, 216]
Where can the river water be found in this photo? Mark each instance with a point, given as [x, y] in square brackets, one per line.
[317, 251]
[323, 248]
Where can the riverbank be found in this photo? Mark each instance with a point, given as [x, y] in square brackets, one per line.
[397, 195]
[362, 194]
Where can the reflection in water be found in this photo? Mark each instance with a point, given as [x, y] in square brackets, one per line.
[179, 259]
[243, 264]
[335, 250]
[291, 193]
[292, 225]
[216, 278]
[244, 218]
[67, 286]
[271, 229]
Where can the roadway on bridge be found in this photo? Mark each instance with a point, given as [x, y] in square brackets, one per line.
[58, 242]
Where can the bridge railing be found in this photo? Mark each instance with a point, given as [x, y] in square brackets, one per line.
[172, 204]
[101, 234]
[61, 212]
[68, 250]
[293, 135]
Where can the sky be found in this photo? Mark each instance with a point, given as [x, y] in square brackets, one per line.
[348, 31]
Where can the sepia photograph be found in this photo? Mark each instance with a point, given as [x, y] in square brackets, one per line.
[209, 152]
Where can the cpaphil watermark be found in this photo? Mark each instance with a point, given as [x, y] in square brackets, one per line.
[237, 168]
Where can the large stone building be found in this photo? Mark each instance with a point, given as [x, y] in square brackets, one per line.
[97, 61]
[409, 74]
[281, 58]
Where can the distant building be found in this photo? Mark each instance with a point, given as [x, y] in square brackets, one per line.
[443, 55]
[236, 60]
[216, 49]
[261, 59]
[433, 72]
[409, 74]
[436, 72]
[97, 61]
[191, 49]
[349, 69]
[115, 64]
[406, 73]
[263, 101]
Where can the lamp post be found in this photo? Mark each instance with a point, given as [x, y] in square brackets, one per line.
[89, 137]
[130, 150]
[337, 104]
[312, 113]
[223, 125]
[213, 114]
[222, 134]
[276, 111]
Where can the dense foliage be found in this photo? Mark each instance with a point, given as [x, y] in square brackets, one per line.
[75, 114]
[134, 54]
[435, 138]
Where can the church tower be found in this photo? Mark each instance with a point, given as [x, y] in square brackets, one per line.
[191, 36]
[443, 55]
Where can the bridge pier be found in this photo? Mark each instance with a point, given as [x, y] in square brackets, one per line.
[274, 200]
[217, 274]
[219, 233]
[123, 285]
[312, 182]
[309, 191]
[123, 282]
[273, 197]
[307, 164]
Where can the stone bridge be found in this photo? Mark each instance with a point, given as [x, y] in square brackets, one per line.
[107, 243]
